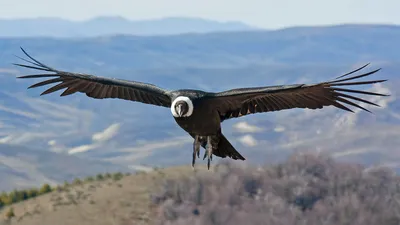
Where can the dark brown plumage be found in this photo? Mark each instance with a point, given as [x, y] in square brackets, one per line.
[244, 101]
[95, 86]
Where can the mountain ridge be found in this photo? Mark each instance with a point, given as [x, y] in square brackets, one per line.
[111, 25]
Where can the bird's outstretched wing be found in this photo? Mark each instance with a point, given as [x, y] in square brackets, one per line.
[95, 86]
[244, 101]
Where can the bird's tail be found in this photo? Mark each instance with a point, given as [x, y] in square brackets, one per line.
[225, 149]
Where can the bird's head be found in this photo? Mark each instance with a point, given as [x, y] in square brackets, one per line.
[182, 107]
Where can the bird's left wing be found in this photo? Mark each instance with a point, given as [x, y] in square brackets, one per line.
[95, 86]
[244, 101]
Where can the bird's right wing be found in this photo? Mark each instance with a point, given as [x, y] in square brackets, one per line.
[97, 87]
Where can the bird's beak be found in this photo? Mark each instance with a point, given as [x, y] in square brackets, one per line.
[180, 111]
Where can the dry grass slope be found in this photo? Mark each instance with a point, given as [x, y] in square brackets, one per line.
[107, 202]
[306, 189]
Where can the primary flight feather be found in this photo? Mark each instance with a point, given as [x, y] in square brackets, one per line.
[201, 113]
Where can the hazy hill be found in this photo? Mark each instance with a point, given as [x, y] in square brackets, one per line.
[24, 167]
[127, 134]
[56, 27]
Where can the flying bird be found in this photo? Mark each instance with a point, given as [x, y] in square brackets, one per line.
[201, 113]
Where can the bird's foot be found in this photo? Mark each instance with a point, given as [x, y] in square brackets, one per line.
[196, 149]
[198, 153]
[208, 152]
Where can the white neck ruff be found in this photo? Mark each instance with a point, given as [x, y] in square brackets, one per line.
[185, 99]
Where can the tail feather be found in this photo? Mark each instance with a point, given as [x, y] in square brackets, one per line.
[225, 149]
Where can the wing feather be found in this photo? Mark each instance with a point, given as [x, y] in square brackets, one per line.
[244, 101]
[95, 86]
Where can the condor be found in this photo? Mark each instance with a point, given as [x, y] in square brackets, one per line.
[201, 113]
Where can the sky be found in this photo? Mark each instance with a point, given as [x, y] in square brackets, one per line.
[270, 14]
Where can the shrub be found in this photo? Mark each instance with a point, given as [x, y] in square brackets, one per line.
[77, 181]
[306, 189]
[10, 213]
[45, 189]
[33, 192]
[22, 195]
[117, 176]
[107, 175]
[99, 177]
[5, 198]
[89, 179]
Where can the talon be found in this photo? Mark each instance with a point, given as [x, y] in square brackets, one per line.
[209, 152]
[209, 158]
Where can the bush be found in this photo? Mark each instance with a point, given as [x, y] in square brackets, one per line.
[77, 181]
[10, 213]
[33, 192]
[45, 189]
[306, 189]
[5, 199]
[99, 177]
[89, 179]
[117, 176]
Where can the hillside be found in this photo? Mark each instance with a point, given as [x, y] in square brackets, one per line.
[125, 134]
[304, 189]
[111, 201]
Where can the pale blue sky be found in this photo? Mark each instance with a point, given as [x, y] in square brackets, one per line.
[261, 13]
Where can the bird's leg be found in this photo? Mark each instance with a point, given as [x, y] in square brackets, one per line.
[209, 143]
[201, 140]
[208, 152]
[196, 149]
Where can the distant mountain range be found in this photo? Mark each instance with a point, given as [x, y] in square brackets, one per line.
[128, 135]
[100, 26]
